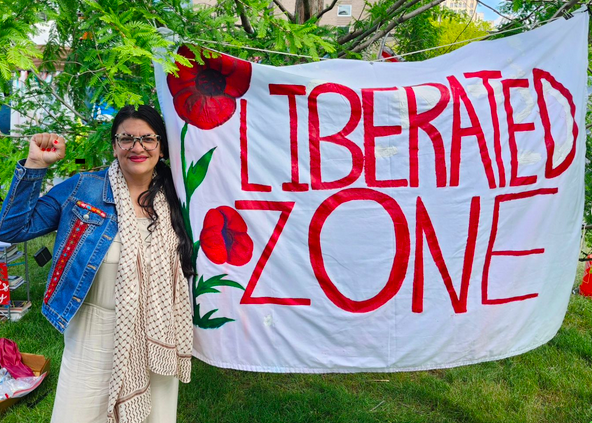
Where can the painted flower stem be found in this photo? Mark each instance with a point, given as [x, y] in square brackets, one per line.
[185, 204]
[205, 96]
[192, 179]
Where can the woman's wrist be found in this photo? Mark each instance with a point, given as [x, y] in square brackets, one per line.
[32, 164]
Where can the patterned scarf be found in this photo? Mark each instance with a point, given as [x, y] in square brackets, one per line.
[153, 328]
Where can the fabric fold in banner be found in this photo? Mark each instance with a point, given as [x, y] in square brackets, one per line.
[351, 216]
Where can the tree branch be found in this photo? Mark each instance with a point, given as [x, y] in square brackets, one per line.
[365, 32]
[3, 135]
[243, 17]
[372, 30]
[49, 113]
[325, 10]
[284, 10]
[361, 46]
[59, 98]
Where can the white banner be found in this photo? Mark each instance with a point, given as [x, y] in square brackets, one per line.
[353, 216]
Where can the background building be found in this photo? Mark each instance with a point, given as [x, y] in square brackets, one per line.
[344, 12]
[467, 6]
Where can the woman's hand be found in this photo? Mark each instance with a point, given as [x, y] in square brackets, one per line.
[44, 150]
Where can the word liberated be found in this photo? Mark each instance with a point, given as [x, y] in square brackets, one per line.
[452, 99]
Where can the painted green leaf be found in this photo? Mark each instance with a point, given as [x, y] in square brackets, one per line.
[205, 322]
[215, 323]
[207, 287]
[197, 173]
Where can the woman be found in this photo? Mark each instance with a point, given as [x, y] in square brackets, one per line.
[117, 288]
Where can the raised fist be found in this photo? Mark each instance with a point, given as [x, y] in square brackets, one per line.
[44, 150]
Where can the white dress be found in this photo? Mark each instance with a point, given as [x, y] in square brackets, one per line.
[83, 386]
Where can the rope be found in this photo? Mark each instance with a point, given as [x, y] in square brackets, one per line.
[262, 50]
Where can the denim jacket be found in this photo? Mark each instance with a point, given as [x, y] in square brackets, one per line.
[82, 210]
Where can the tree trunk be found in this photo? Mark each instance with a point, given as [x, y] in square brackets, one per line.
[305, 9]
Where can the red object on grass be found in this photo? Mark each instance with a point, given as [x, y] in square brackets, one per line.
[586, 286]
[4, 285]
[224, 237]
[10, 359]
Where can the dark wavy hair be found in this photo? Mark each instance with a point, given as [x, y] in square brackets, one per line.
[162, 181]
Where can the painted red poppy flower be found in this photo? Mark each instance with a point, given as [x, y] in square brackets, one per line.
[224, 237]
[205, 95]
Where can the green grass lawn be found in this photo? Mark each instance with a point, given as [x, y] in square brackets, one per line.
[551, 384]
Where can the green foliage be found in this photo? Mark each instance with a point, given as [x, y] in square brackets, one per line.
[17, 51]
[454, 28]
[527, 12]
[11, 150]
[419, 33]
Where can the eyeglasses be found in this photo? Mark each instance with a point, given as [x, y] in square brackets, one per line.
[148, 142]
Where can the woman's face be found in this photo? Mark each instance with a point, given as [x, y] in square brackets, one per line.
[136, 164]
